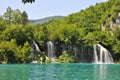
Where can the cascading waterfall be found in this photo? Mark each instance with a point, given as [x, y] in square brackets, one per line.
[36, 46]
[95, 54]
[51, 50]
[102, 55]
[34, 51]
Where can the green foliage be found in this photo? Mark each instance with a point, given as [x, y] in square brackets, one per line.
[15, 16]
[15, 37]
[46, 20]
[8, 50]
[66, 58]
[24, 18]
[2, 26]
[8, 15]
[89, 39]
[116, 47]
[88, 27]
[48, 60]
[25, 52]
[40, 35]
[84, 27]
[116, 42]
[18, 32]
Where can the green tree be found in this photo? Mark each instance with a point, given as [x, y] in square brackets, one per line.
[8, 15]
[25, 52]
[9, 51]
[66, 58]
[24, 18]
[17, 16]
[18, 32]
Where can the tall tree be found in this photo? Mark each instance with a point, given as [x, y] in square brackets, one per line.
[17, 16]
[24, 18]
[8, 15]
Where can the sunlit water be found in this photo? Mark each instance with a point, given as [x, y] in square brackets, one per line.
[74, 71]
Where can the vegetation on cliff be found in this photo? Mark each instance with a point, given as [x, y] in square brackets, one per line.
[96, 24]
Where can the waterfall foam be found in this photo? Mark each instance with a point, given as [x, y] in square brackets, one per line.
[102, 55]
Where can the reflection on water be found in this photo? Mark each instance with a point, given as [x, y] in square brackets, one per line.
[100, 72]
[106, 72]
[60, 72]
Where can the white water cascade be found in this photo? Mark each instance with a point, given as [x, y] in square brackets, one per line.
[51, 50]
[36, 46]
[34, 51]
[102, 55]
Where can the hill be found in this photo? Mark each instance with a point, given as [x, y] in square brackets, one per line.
[87, 27]
[45, 20]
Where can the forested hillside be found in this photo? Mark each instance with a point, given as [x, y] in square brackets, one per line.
[45, 20]
[96, 24]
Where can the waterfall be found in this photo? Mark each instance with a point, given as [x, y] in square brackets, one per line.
[75, 49]
[51, 50]
[36, 46]
[102, 55]
[95, 54]
[35, 52]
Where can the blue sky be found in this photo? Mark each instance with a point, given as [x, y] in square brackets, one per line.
[44, 8]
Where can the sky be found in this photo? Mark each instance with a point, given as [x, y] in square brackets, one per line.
[45, 8]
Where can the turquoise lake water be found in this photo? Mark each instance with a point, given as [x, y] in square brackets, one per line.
[75, 71]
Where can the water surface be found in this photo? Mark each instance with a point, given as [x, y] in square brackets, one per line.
[74, 71]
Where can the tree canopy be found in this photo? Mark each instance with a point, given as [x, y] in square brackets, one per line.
[81, 29]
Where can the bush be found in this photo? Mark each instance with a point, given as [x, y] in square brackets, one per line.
[66, 58]
[48, 60]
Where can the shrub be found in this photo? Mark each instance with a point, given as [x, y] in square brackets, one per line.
[66, 58]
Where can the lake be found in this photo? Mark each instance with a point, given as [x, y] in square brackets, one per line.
[59, 71]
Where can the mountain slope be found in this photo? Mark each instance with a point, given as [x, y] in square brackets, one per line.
[88, 27]
[45, 20]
